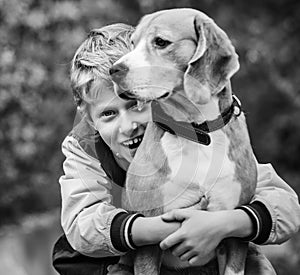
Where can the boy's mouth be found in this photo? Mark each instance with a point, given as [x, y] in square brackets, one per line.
[134, 142]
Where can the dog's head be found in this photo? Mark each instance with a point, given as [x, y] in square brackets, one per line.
[179, 49]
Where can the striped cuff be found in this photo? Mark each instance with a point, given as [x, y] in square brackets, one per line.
[127, 230]
[120, 231]
[117, 231]
[261, 220]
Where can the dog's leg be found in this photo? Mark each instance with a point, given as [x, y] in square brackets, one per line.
[143, 193]
[257, 263]
[222, 258]
[124, 266]
[236, 252]
[148, 259]
[232, 254]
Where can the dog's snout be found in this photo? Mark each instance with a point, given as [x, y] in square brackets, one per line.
[118, 71]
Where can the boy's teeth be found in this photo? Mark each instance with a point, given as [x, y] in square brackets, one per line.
[132, 141]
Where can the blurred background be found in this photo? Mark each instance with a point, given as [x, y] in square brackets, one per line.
[38, 40]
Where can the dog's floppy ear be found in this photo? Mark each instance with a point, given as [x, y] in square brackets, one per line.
[213, 63]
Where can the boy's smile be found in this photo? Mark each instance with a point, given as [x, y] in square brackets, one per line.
[133, 143]
[120, 123]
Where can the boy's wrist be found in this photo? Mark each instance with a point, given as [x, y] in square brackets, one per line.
[238, 224]
[137, 231]
[151, 230]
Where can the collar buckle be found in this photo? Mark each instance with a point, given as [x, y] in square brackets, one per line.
[237, 106]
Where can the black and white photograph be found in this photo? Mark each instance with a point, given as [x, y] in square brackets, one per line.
[143, 137]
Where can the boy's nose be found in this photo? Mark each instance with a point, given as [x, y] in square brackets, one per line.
[126, 129]
[124, 126]
[127, 126]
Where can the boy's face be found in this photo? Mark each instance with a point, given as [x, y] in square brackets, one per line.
[119, 122]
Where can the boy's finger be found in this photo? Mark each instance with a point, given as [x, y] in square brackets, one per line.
[171, 240]
[193, 260]
[179, 249]
[188, 256]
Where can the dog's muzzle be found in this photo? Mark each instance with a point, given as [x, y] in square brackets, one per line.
[118, 72]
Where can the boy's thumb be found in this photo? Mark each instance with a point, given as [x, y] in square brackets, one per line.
[174, 215]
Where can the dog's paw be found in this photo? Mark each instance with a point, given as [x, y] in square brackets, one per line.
[119, 269]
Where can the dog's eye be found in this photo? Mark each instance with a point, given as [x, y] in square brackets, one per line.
[161, 43]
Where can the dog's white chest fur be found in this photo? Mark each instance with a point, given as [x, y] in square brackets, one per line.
[197, 170]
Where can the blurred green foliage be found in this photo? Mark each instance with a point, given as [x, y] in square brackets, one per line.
[38, 39]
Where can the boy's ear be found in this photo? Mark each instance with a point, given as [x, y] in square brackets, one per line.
[213, 64]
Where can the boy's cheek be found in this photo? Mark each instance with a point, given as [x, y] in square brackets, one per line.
[146, 116]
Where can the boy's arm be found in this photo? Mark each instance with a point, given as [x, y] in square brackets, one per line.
[282, 203]
[87, 212]
[274, 217]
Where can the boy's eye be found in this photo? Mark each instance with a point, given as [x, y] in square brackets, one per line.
[107, 113]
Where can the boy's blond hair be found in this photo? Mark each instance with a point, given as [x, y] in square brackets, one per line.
[96, 55]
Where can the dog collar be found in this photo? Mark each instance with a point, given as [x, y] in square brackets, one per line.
[195, 132]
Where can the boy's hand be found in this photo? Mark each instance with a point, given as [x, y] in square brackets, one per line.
[199, 235]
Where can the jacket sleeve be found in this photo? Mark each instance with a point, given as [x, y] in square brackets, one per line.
[87, 210]
[281, 201]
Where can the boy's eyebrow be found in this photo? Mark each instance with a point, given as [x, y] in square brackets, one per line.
[103, 108]
[100, 108]
[106, 107]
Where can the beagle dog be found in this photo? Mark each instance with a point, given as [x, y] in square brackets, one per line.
[196, 152]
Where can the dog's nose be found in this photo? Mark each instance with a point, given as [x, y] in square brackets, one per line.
[118, 71]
